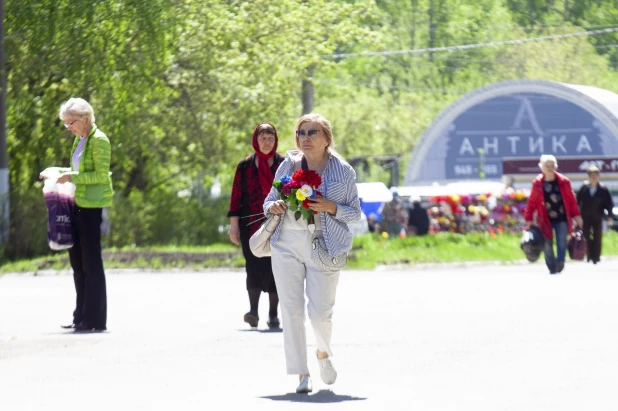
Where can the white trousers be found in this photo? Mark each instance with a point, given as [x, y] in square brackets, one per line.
[293, 268]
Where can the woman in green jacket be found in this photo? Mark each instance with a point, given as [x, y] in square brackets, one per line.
[90, 159]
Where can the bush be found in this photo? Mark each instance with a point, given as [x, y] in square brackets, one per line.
[28, 224]
[138, 220]
[166, 219]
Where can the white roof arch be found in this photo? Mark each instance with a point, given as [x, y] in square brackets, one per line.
[600, 103]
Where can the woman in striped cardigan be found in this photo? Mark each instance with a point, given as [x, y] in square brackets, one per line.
[291, 244]
[89, 171]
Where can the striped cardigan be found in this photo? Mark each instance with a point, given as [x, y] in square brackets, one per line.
[339, 186]
[93, 179]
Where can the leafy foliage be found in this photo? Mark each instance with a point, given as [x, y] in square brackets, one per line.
[178, 86]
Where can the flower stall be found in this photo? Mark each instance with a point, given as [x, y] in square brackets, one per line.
[492, 212]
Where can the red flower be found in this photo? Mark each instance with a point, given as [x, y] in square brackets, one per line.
[306, 203]
[309, 177]
[312, 178]
[298, 176]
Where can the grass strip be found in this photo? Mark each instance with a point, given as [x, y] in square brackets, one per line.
[368, 252]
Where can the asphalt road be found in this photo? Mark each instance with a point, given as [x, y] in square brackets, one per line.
[485, 337]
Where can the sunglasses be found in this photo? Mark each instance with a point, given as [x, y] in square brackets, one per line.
[267, 139]
[311, 133]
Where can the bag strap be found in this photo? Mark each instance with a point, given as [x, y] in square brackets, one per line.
[311, 220]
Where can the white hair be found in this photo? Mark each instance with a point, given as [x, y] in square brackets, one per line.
[546, 158]
[77, 107]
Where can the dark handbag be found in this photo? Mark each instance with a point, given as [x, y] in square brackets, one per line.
[577, 245]
[321, 258]
[531, 243]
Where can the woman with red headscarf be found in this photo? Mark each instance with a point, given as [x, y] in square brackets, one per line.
[252, 183]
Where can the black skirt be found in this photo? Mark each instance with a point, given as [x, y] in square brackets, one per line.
[259, 270]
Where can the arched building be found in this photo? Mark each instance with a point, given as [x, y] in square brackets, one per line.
[502, 129]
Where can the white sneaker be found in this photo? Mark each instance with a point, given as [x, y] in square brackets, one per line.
[305, 385]
[327, 371]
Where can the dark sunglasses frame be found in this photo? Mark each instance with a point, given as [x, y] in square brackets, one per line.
[311, 133]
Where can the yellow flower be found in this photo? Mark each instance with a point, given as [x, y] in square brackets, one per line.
[300, 196]
[306, 190]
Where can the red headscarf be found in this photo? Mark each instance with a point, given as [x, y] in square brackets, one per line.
[265, 174]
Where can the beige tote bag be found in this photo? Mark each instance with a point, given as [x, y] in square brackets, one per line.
[259, 243]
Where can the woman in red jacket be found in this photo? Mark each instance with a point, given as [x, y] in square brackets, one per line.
[554, 202]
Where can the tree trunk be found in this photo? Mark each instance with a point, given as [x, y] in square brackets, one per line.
[307, 97]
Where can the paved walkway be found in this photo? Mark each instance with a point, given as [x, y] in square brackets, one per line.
[443, 338]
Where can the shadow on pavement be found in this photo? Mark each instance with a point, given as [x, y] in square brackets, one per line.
[264, 330]
[322, 396]
[73, 332]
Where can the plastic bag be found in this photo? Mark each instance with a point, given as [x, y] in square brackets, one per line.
[532, 243]
[60, 202]
[577, 246]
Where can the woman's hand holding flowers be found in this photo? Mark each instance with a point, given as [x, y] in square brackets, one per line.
[300, 194]
[321, 204]
[278, 207]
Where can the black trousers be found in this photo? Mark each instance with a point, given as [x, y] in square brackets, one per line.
[259, 270]
[87, 263]
[593, 232]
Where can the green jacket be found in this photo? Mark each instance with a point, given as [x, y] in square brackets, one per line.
[93, 179]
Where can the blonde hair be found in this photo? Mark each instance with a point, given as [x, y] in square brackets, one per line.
[323, 122]
[548, 157]
[77, 107]
[593, 169]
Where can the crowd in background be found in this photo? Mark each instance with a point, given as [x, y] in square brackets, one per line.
[494, 213]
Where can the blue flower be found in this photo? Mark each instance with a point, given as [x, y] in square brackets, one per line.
[285, 179]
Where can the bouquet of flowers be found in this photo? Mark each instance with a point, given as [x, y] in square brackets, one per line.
[296, 191]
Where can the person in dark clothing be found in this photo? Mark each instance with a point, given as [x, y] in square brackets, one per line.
[252, 183]
[394, 216]
[594, 199]
[418, 219]
[372, 224]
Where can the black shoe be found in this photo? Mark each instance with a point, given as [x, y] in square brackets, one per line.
[559, 267]
[68, 326]
[252, 319]
[273, 322]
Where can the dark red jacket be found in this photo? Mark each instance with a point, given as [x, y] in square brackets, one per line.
[536, 202]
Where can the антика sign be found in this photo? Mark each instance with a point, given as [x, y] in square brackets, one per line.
[526, 125]
[473, 138]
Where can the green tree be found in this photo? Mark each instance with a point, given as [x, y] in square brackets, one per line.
[108, 52]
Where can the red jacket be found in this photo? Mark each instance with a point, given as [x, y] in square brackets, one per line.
[536, 202]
